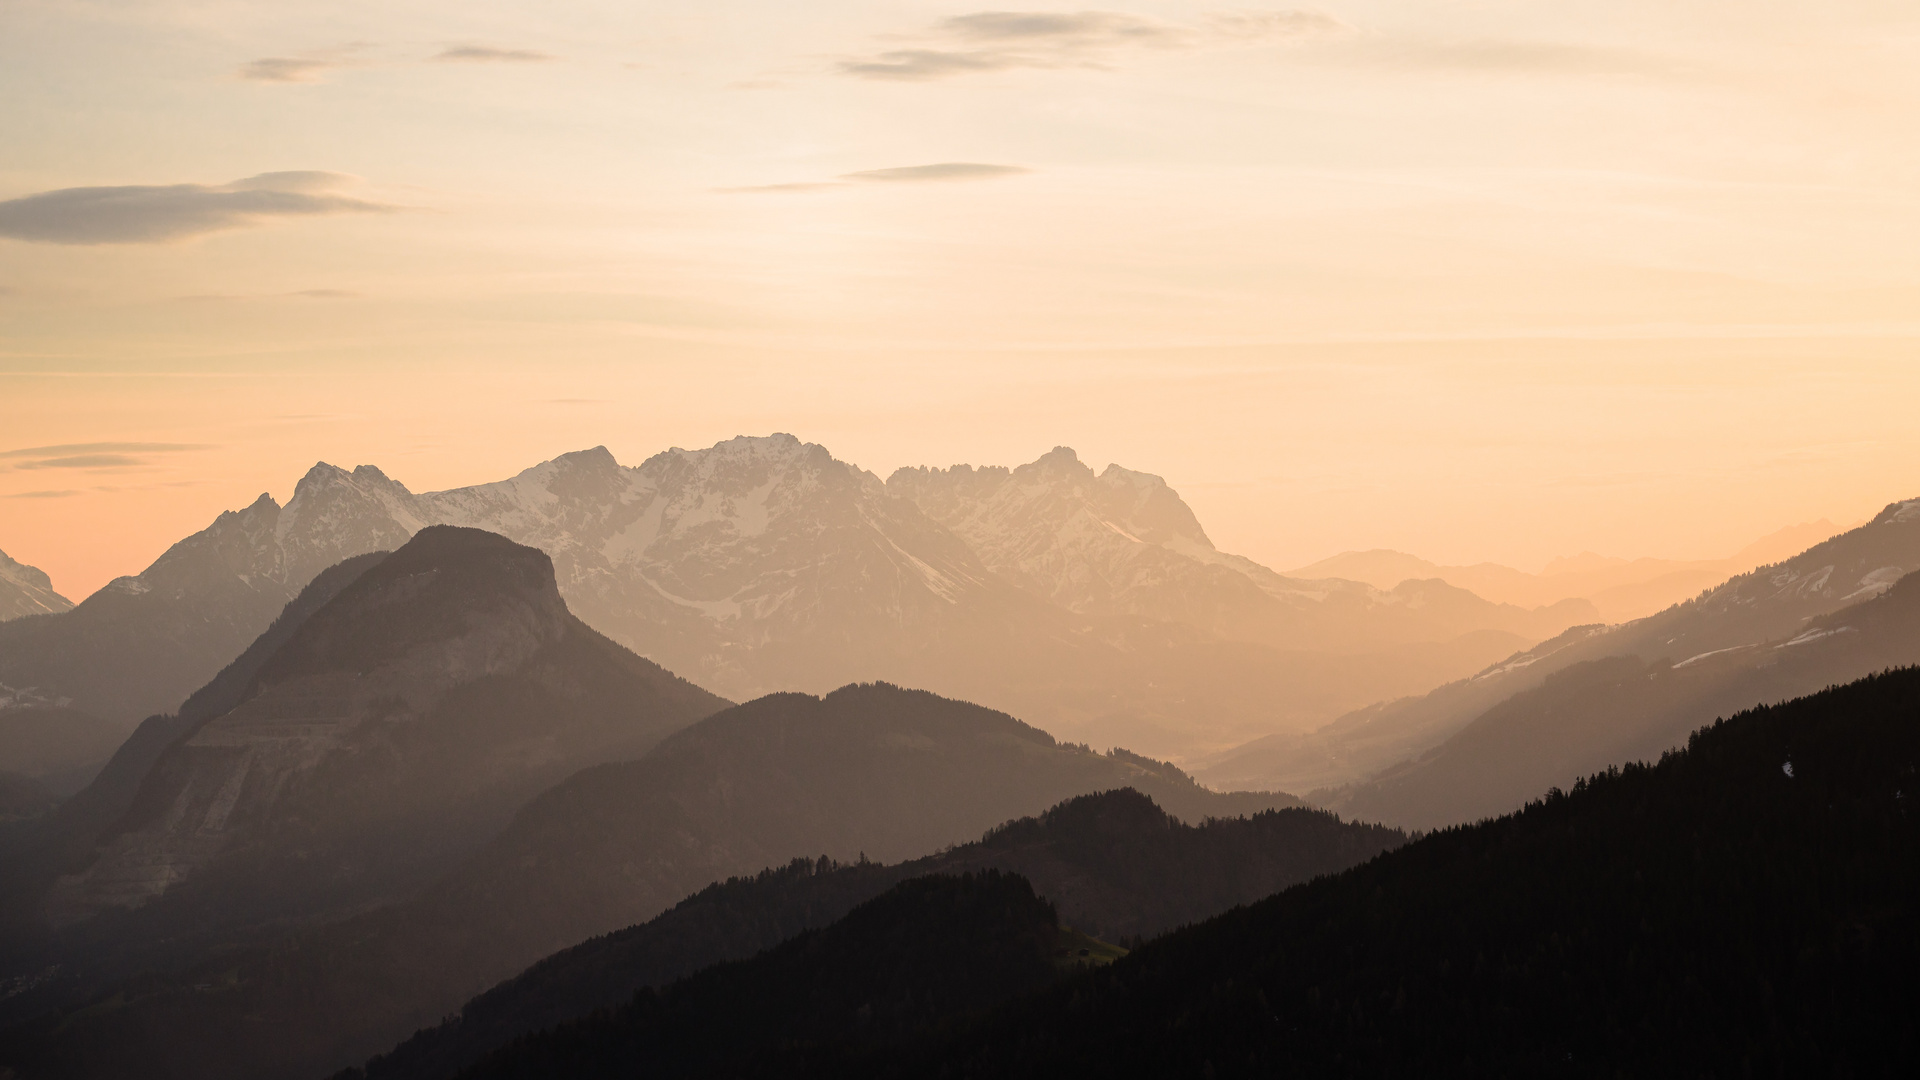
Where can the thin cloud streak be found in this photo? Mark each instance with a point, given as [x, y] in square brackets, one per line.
[284, 69]
[937, 172]
[1082, 27]
[946, 170]
[69, 449]
[61, 494]
[991, 41]
[152, 214]
[486, 54]
[916, 65]
[84, 461]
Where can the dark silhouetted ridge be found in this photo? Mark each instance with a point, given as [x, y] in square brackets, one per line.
[1745, 907]
[1115, 864]
[926, 953]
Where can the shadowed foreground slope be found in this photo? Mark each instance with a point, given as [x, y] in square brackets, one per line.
[1114, 864]
[1746, 907]
[911, 962]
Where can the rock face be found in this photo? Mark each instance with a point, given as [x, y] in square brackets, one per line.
[756, 565]
[396, 728]
[1116, 543]
[26, 590]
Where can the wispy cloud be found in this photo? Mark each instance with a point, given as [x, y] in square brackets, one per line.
[101, 455]
[487, 54]
[150, 214]
[945, 170]
[939, 171]
[308, 66]
[65, 449]
[915, 65]
[1085, 28]
[85, 461]
[989, 41]
[62, 494]
[284, 69]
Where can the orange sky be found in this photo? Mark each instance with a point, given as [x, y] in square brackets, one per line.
[1480, 280]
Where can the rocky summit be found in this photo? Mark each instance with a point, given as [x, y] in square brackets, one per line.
[397, 727]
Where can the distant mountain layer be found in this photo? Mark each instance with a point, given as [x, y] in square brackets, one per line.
[1113, 864]
[1624, 708]
[26, 590]
[1748, 904]
[1773, 604]
[1620, 589]
[1093, 605]
[871, 771]
[1123, 543]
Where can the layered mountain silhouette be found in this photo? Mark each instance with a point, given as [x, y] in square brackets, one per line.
[871, 771]
[353, 755]
[1740, 625]
[1746, 904]
[1094, 605]
[27, 590]
[1114, 865]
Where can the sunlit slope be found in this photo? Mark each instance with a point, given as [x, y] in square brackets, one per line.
[1773, 604]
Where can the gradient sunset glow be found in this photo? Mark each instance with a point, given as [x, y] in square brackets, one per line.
[1493, 280]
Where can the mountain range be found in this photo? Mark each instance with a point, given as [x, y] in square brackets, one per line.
[1790, 628]
[1093, 604]
[426, 772]
[1121, 544]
